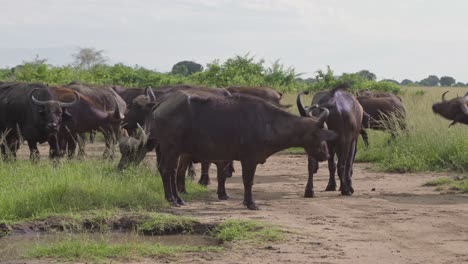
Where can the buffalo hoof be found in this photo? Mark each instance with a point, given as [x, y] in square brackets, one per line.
[223, 196]
[180, 201]
[251, 205]
[204, 180]
[346, 192]
[330, 188]
[309, 193]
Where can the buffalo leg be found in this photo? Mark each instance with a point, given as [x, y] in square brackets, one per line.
[183, 164]
[221, 168]
[365, 137]
[54, 149]
[80, 138]
[167, 168]
[191, 171]
[248, 173]
[312, 166]
[350, 163]
[343, 166]
[33, 151]
[205, 176]
[331, 186]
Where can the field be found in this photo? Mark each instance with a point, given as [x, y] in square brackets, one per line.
[417, 216]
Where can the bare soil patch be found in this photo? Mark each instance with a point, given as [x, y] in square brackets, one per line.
[391, 218]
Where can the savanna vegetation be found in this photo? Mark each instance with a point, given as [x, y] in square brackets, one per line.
[70, 189]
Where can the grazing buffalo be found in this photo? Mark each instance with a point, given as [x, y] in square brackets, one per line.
[455, 109]
[238, 127]
[102, 109]
[266, 93]
[141, 105]
[30, 111]
[345, 119]
[383, 113]
[376, 94]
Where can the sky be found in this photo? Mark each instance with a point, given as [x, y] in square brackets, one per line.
[394, 39]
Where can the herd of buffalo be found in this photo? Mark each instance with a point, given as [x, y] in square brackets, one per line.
[186, 124]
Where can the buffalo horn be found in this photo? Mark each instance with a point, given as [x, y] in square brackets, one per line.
[35, 101]
[300, 106]
[149, 92]
[323, 117]
[143, 137]
[443, 96]
[77, 98]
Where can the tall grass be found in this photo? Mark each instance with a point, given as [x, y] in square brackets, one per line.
[29, 190]
[429, 144]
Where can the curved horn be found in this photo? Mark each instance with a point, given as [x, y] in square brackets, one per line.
[323, 117]
[77, 98]
[310, 109]
[443, 96]
[35, 101]
[149, 92]
[300, 106]
[143, 137]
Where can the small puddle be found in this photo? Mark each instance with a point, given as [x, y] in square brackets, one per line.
[15, 246]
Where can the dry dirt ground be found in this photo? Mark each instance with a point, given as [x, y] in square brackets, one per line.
[391, 218]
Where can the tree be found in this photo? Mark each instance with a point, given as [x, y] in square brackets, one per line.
[460, 84]
[431, 80]
[367, 75]
[447, 81]
[390, 80]
[186, 68]
[407, 82]
[86, 58]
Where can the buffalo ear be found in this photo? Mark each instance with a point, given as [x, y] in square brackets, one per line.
[326, 135]
[66, 115]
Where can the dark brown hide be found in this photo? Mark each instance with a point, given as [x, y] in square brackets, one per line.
[237, 127]
[455, 109]
[345, 119]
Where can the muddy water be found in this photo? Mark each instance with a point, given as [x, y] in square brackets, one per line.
[15, 246]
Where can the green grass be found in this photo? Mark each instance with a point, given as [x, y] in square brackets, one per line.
[233, 230]
[36, 190]
[166, 223]
[456, 184]
[98, 251]
[429, 145]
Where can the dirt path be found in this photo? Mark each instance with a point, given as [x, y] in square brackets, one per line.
[399, 222]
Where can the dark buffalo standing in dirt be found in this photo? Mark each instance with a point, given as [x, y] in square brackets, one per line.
[237, 127]
[455, 109]
[345, 119]
[106, 111]
[264, 92]
[31, 112]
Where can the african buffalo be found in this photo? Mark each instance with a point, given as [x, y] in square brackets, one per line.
[266, 93]
[455, 109]
[238, 127]
[383, 113]
[102, 109]
[345, 119]
[30, 111]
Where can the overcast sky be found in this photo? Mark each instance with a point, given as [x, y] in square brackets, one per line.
[395, 39]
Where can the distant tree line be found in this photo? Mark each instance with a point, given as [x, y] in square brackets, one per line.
[90, 66]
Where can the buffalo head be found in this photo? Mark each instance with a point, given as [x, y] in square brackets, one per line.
[455, 109]
[52, 112]
[133, 150]
[319, 136]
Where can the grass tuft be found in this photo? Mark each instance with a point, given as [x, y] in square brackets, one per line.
[233, 230]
